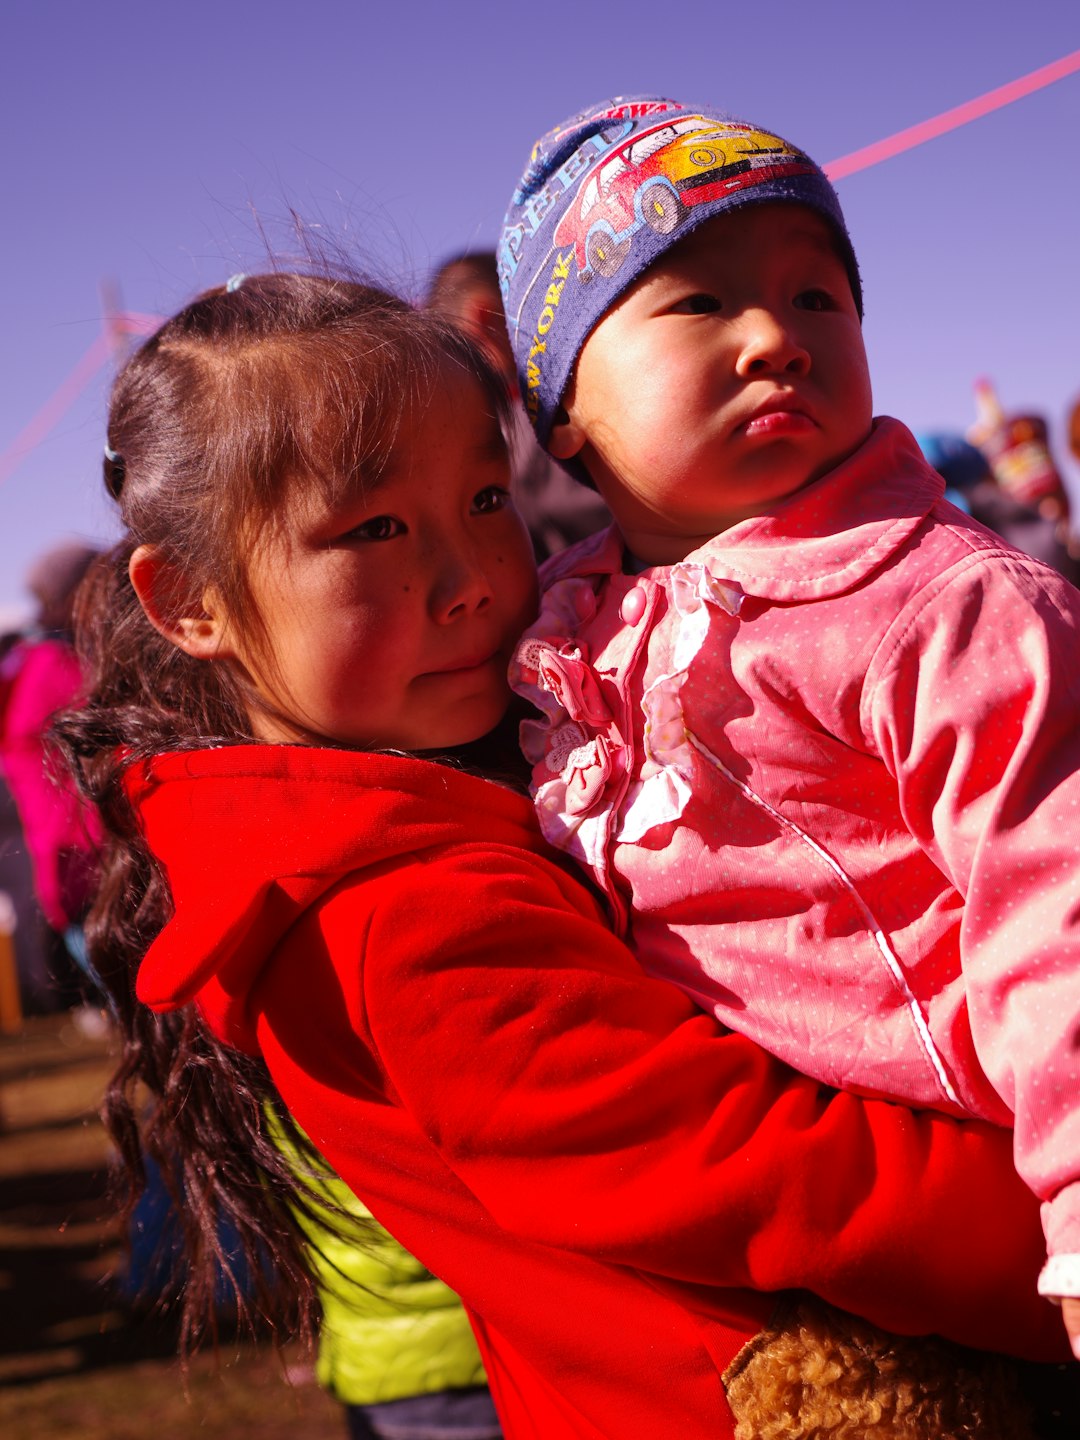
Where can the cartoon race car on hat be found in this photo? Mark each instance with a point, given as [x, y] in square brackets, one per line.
[656, 177]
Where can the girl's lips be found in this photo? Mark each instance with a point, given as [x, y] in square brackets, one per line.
[465, 668]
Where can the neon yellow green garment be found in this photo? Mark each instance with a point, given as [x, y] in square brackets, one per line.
[389, 1329]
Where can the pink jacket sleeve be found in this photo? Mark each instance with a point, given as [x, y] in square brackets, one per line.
[973, 701]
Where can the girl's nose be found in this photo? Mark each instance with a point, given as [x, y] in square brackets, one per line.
[461, 587]
[769, 345]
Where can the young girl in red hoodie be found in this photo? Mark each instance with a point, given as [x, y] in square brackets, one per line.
[325, 904]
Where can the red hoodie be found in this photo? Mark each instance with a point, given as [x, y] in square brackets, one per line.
[587, 1159]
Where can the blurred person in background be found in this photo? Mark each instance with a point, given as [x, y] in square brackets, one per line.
[1017, 447]
[973, 486]
[1074, 430]
[20, 917]
[40, 674]
[557, 509]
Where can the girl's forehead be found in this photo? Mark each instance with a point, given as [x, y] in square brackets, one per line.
[457, 411]
[452, 412]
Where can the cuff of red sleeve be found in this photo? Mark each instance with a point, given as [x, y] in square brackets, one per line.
[1060, 1277]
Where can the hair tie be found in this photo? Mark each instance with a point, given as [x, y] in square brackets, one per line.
[234, 282]
[114, 476]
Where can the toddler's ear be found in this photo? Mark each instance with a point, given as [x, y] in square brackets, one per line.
[566, 438]
[194, 624]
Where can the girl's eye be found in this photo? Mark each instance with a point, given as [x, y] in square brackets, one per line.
[379, 527]
[697, 305]
[814, 300]
[490, 499]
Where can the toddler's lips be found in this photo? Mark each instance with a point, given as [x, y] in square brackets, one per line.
[779, 422]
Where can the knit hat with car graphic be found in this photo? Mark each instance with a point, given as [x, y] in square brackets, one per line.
[604, 195]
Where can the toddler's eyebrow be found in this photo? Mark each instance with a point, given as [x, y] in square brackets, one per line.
[823, 244]
[814, 237]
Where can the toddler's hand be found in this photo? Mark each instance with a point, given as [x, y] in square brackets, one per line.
[1070, 1313]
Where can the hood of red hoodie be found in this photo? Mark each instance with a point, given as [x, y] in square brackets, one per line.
[251, 836]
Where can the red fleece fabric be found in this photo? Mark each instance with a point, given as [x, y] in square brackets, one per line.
[602, 1174]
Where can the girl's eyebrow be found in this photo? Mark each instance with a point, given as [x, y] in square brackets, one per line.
[485, 441]
[370, 479]
[493, 445]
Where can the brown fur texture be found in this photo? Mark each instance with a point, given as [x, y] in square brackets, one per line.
[819, 1374]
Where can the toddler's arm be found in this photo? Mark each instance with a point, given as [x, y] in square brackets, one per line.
[973, 701]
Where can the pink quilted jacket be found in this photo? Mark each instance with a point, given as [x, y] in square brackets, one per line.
[827, 771]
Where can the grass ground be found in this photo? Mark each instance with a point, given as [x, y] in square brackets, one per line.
[75, 1361]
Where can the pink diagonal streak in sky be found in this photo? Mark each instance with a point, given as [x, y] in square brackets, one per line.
[99, 351]
[951, 119]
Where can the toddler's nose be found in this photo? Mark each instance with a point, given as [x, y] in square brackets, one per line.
[769, 344]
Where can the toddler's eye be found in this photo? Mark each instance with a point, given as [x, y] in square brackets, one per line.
[379, 527]
[701, 304]
[491, 499]
[815, 300]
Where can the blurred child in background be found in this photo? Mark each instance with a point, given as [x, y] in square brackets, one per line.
[40, 674]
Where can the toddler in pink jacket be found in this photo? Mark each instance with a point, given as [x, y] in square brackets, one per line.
[814, 732]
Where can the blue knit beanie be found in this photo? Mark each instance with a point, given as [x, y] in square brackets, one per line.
[604, 195]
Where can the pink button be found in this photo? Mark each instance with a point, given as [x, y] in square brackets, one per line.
[633, 605]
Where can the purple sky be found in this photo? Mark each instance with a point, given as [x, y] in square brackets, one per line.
[154, 147]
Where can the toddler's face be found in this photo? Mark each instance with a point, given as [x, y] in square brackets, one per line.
[391, 615]
[730, 375]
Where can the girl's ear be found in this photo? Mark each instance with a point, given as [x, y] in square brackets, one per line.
[566, 438]
[195, 624]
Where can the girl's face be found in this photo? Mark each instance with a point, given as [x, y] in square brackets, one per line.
[391, 614]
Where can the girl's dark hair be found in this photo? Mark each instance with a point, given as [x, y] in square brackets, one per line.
[282, 379]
